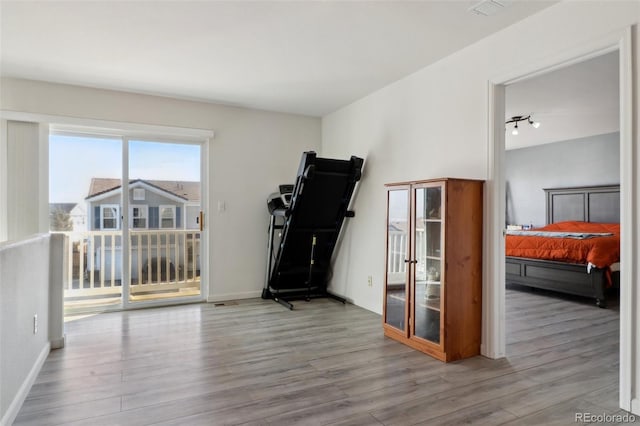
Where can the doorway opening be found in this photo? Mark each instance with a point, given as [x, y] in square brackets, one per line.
[554, 175]
[564, 174]
[494, 343]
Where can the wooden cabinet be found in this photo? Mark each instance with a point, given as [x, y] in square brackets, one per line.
[433, 280]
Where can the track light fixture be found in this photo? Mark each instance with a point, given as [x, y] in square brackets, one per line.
[518, 118]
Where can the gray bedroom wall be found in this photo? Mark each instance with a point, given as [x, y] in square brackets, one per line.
[593, 160]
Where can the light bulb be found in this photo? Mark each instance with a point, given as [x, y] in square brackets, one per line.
[535, 124]
[514, 132]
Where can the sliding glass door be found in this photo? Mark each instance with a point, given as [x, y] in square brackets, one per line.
[84, 174]
[164, 207]
[131, 212]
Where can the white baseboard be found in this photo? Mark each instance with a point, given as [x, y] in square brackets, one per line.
[490, 354]
[21, 395]
[234, 296]
[58, 343]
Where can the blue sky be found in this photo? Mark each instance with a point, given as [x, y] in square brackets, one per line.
[73, 161]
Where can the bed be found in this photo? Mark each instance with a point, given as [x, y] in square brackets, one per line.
[589, 275]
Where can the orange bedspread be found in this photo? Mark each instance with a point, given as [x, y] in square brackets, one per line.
[600, 251]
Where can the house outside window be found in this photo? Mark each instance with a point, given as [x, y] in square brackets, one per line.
[167, 217]
[109, 217]
[139, 216]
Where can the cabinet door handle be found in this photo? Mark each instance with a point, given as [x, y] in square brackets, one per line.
[410, 261]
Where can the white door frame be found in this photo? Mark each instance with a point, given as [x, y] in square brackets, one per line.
[493, 339]
[204, 235]
[125, 132]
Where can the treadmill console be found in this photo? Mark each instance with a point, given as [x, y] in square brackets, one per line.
[285, 194]
[279, 201]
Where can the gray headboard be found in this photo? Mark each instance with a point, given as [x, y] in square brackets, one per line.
[585, 203]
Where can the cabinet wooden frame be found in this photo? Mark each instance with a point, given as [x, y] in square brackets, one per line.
[460, 274]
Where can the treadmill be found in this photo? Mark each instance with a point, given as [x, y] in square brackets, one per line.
[298, 262]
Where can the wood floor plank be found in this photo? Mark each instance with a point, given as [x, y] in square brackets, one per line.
[252, 362]
[486, 414]
[178, 408]
[368, 402]
[363, 419]
[561, 414]
[65, 414]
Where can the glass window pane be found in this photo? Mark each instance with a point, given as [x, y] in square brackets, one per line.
[428, 238]
[82, 171]
[397, 244]
[167, 213]
[109, 215]
[167, 216]
[139, 217]
[167, 250]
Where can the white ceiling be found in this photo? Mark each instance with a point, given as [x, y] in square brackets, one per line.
[305, 57]
[573, 102]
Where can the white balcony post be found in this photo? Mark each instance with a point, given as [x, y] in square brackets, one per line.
[125, 245]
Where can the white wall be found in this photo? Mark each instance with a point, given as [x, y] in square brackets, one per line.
[27, 180]
[4, 165]
[434, 124]
[252, 152]
[594, 160]
[24, 292]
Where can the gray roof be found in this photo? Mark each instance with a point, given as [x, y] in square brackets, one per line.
[187, 190]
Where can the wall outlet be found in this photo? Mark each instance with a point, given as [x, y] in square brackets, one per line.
[35, 323]
[370, 281]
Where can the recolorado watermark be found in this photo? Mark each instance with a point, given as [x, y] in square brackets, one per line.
[604, 418]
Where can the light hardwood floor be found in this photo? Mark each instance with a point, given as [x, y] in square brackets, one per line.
[256, 363]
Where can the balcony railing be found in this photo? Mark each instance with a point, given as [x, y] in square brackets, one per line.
[160, 262]
[396, 265]
[164, 260]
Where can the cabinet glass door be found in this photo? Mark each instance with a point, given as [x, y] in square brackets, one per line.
[397, 256]
[428, 234]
